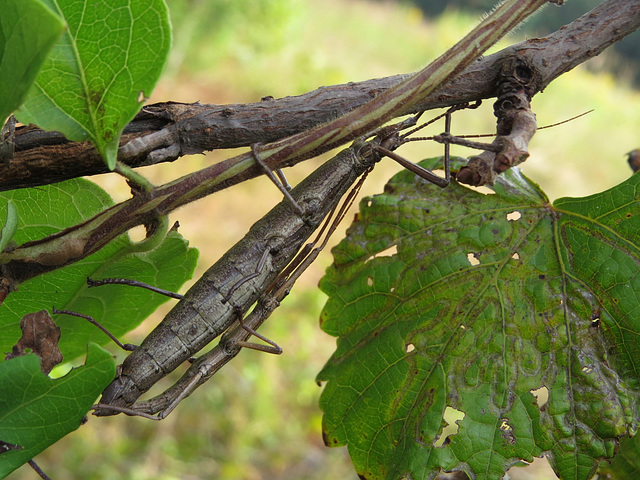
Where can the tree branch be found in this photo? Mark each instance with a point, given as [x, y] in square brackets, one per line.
[165, 131]
[77, 242]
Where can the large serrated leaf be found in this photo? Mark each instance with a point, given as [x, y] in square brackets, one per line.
[96, 77]
[36, 411]
[487, 303]
[45, 210]
[28, 30]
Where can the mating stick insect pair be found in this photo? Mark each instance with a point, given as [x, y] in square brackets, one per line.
[259, 270]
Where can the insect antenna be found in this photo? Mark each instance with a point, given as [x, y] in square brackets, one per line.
[128, 347]
[132, 283]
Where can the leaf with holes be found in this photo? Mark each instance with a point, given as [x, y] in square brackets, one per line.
[518, 316]
[97, 76]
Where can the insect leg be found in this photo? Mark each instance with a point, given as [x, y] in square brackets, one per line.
[414, 168]
[283, 179]
[128, 347]
[133, 283]
[447, 148]
[273, 347]
[282, 184]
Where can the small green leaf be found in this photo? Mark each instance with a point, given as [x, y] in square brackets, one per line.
[97, 75]
[119, 308]
[28, 31]
[10, 225]
[452, 300]
[36, 411]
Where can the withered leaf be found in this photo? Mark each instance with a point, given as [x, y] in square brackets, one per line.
[40, 335]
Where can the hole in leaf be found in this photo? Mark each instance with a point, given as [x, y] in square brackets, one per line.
[504, 426]
[507, 431]
[463, 327]
[515, 256]
[369, 203]
[587, 370]
[141, 97]
[370, 281]
[539, 465]
[410, 347]
[542, 396]
[387, 252]
[483, 190]
[393, 289]
[473, 259]
[137, 234]
[452, 417]
[513, 216]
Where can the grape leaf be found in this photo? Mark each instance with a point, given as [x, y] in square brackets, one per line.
[450, 300]
[46, 410]
[98, 74]
[28, 31]
[49, 209]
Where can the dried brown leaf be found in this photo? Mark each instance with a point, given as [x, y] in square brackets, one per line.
[40, 335]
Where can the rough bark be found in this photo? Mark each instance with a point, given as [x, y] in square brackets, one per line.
[165, 131]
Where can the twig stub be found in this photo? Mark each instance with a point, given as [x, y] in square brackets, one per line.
[517, 83]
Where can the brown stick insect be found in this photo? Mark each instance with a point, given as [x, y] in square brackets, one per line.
[258, 268]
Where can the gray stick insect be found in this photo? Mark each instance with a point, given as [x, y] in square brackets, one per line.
[253, 270]
[226, 291]
[236, 337]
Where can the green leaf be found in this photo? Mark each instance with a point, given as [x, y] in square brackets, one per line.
[36, 411]
[46, 210]
[626, 464]
[95, 79]
[450, 300]
[28, 30]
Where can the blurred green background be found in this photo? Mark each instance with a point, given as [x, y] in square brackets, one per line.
[259, 417]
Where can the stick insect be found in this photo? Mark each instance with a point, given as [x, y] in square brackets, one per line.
[254, 270]
[236, 337]
[237, 280]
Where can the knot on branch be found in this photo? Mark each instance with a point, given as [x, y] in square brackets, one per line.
[516, 124]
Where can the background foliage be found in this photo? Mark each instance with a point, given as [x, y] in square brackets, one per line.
[235, 51]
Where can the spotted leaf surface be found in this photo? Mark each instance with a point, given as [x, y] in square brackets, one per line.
[511, 319]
